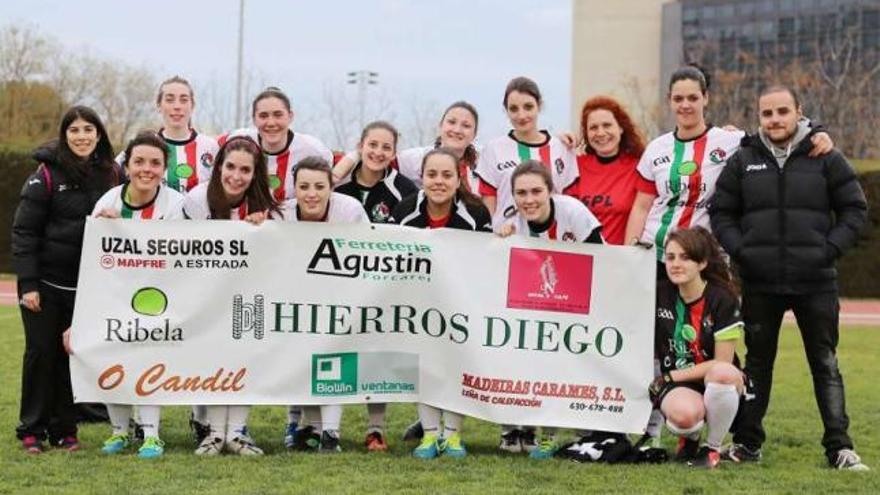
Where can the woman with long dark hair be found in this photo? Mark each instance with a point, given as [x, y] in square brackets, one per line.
[47, 236]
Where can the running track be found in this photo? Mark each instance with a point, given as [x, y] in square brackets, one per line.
[852, 311]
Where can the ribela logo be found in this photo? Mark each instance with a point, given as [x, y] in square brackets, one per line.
[149, 302]
[335, 374]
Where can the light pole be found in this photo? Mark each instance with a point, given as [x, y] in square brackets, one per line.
[238, 84]
[362, 78]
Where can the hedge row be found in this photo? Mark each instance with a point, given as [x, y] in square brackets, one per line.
[859, 269]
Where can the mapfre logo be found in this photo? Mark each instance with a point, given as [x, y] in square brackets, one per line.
[549, 281]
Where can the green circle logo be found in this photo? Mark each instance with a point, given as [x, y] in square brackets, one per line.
[184, 171]
[149, 301]
[687, 168]
[689, 333]
[274, 182]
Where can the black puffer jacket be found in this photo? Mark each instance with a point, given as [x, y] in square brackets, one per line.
[47, 231]
[785, 227]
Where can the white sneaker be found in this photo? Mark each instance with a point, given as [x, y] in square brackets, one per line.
[848, 459]
[210, 446]
[243, 445]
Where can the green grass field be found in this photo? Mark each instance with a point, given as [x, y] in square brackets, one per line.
[793, 457]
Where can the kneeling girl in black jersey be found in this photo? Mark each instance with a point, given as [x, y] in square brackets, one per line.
[698, 324]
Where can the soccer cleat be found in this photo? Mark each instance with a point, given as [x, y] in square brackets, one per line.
[740, 453]
[687, 449]
[414, 431]
[849, 460]
[329, 443]
[69, 443]
[527, 440]
[115, 444]
[545, 450]
[510, 442]
[200, 431]
[428, 449]
[375, 442]
[307, 440]
[152, 448]
[706, 458]
[243, 445]
[32, 445]
[210, 446]
[452, 447]
[290, 435]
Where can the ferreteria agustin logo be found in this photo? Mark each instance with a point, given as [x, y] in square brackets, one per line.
[549, 281]
[150, 303]
[335, 374]
[377, 261]
[247, 317]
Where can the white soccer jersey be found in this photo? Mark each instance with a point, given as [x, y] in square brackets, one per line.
[342, 209]
[409, 164]
[500, 156]
[190, 162]
[571, 222]
[683, 175]
[282, 164]
[167, 205]
[195, 205]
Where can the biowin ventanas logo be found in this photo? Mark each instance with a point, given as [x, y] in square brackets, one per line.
[335, 374]
[549, 281]
[248, 317]
[149, 303]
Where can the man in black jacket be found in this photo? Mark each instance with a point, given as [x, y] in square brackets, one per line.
[784, 218]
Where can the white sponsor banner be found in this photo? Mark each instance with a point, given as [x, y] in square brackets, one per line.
[518, 330]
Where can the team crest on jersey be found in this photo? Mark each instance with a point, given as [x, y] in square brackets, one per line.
[560, 165]
[568, 237]
[207, 160]
[380, 212]
[717, 155]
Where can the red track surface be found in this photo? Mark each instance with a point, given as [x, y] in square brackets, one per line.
[852, 311]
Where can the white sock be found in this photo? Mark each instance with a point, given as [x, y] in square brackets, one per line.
[150, 416]
[294, 414]
[655, 426]
[430, 418]
[376, 412]
[216, 416]
[331, 417]
[200, 414]
[451, 423]
[721, 402]
[692, 433]
[312, 415]
[120, 416]
[236, 421]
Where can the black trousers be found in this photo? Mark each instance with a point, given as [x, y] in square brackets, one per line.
[46, 396]
[817, 318]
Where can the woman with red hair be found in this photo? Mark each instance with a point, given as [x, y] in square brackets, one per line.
[612, 146]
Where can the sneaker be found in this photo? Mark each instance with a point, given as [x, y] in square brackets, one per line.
[452, 447]
[528, 440]
[306, 439]
[243, 445]
[428, 449]
[115, 444]
[375, 442]
[32, 444]
[545, 450]
[848, 459]
[740, 453]
[510, 442]
[414, 432]
[687, 449]
[706, 458]
[329, 443]
[290, 435]
[210, 446]
[69, 443]
[135, 430]
[152, 448]
[200, 431]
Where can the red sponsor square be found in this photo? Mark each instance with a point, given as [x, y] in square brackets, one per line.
[549, 281]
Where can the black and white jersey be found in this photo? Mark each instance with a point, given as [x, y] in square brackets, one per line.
[380, 199]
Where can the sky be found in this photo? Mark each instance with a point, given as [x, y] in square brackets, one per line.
[427, 53]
